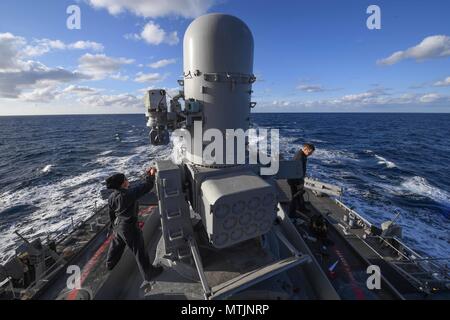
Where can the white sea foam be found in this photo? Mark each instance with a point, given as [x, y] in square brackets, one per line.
[105, 153]
[47, 168]
[317, 141]
[420, 227]
[387, 163]
[333, 156]
[73, 198]
[130, 140]
[416, 187]
[420, 186]
[55, 205]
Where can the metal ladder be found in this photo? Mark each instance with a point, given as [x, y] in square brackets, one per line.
[174, 211]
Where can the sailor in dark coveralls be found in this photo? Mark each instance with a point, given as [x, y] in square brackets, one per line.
[123, 212]
[297, 185]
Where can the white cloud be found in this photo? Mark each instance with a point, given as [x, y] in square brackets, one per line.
[32, 81]
[437, 46]
[100, 66]
[364, 97]
[47, 91]
[148, 77]
[152, 33]
[32, 75]
[42, 46]
[86, 45]
[79, 90]
[18, 76]
[380, 97]
[10, 46]
[93, 97]
[132, 36]
[119, 76]
[310, 88]
[443, 83]
[362, 101]
[41, 94]
[430, 97]
[121, 100]
[155, 8]
[162, 63]
[281, 103]
[29, 80]
[172, 38]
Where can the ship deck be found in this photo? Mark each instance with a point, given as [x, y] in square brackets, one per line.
[354, 249]
[342, 258]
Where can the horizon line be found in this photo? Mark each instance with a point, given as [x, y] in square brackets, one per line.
[271, 112]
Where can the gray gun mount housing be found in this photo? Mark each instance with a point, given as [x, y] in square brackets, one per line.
[232, 202]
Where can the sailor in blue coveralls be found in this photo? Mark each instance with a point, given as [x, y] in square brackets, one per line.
[297, 185]
[123, 211]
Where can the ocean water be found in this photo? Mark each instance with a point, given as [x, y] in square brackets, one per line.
[52, 168]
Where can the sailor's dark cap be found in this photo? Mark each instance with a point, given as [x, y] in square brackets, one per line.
[115, 181]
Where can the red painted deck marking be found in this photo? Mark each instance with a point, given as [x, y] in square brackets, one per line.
[359, 293]
[94, 259]
[91, 263]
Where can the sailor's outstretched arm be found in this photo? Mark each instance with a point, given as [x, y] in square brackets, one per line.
[142, 189]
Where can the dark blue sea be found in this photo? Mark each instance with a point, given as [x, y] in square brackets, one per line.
[52, 168]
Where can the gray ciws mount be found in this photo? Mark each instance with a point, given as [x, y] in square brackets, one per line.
[216, 204]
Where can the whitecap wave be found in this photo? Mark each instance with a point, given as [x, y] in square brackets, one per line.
[420, 186]
[387, 163]
[105, 153]
[333, 156]
[131, 140]
[47, 168]
[419, 228]
[72, 198]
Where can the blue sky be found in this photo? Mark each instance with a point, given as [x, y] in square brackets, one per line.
[310, 56]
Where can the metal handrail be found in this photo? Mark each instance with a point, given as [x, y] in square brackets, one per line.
[411, 252]
[420, 283]
[349, 210]
[392, 247]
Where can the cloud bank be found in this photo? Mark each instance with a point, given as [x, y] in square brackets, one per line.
[155, 8]
[26, 80]
[432, 47]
